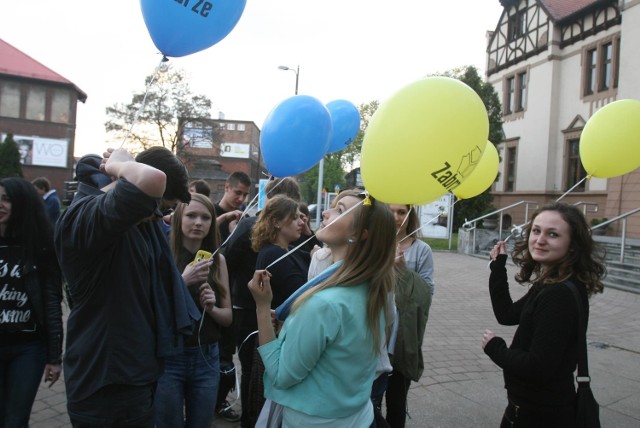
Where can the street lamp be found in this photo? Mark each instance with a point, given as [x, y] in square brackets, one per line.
[297, 71]
[321, 164]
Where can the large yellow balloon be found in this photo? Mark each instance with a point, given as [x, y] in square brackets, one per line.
[423, 141]
[482, 176]
[610, 141]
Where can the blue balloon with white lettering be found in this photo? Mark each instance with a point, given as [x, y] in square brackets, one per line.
[183, 27]
[295, 135]
[346, 124]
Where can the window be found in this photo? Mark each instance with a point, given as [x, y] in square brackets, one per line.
[511, 95]
[607, 65]
[592, 64]
[515, 93]
[60, 106]
[9, 99]
[600, 67]
[231, 126]
[574, 168]
[516, 25]
[522, 91]
[510, 182]
[241, 127]
[36, 102]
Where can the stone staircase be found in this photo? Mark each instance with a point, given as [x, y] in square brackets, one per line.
[621, 274]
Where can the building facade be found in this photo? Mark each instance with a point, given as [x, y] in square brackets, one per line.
[213, 149]
[555, 63]
[38, 106]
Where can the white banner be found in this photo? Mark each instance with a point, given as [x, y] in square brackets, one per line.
[41, 151]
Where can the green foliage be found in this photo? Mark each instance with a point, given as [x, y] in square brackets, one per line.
[332, 174]
[9, 158]
[350, 155]
[337, 164]
[597, 221]
[478, 205]
[168, 105]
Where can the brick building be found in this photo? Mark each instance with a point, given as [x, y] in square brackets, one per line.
[215, 148]
[38, 106]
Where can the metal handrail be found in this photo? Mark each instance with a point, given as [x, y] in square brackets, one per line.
[623, 237]
[585, 207]
[470, 225]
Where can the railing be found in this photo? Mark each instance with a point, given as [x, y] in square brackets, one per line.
[623, 234]
[471, 225]
[587, 207]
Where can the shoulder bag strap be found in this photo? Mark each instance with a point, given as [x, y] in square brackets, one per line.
[583, 364]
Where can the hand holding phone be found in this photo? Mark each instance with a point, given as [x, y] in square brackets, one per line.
[197, 271]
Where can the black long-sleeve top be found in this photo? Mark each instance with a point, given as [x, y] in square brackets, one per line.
[538, 366]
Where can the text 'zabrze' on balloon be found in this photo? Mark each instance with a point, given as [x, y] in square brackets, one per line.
[183, 27]
[449, 178]
[199, 7]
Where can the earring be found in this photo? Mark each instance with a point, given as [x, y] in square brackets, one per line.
[351, 240]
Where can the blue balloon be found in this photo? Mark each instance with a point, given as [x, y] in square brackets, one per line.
[295, 135]
[182, 27]
[346, 124]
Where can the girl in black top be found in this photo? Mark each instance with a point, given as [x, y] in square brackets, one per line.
[190, 381]
[538, 366]
[30, 301]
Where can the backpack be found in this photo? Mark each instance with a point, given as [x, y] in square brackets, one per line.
[413, 299]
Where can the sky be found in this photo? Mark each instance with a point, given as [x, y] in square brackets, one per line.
[357, 50]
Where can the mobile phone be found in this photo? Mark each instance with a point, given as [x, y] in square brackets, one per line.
[202, 255]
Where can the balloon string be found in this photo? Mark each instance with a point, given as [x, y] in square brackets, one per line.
[574, 186]
[312, 236]
[405, 220]
[159, 69]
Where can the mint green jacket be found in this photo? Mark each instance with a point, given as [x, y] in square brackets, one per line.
[323, 362]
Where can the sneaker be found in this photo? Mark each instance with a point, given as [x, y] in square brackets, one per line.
[227, 413]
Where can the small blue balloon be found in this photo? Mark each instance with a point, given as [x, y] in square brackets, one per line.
[346, 124]
[183, 27]
[295, 135]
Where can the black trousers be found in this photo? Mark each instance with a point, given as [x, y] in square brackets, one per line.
[396, 399]
[227, 344]
[115, 406]
[245, 323]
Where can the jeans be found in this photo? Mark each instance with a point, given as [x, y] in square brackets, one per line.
[21, 370]
[377, 394]
[189, 381]
[115, 406]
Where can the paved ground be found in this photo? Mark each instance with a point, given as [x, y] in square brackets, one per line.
[461, 387]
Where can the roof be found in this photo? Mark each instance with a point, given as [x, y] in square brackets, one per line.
[559, 10]
[14, 62]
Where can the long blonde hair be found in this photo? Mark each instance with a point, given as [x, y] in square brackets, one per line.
[369, 259]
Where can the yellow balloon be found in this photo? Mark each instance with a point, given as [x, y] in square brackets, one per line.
[610, 141]
[482, 176]
[423, 141]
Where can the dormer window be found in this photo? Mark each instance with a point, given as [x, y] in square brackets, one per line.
[516, 25]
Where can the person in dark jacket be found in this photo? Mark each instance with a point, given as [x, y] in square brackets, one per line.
[30, 301]
[538, 366]
[50, 198]
[131, 309]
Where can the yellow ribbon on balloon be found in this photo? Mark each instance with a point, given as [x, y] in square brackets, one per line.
[482, 177]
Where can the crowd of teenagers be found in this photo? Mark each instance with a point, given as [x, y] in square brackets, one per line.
[164, 286]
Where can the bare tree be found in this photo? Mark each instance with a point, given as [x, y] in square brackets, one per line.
[157, 117]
